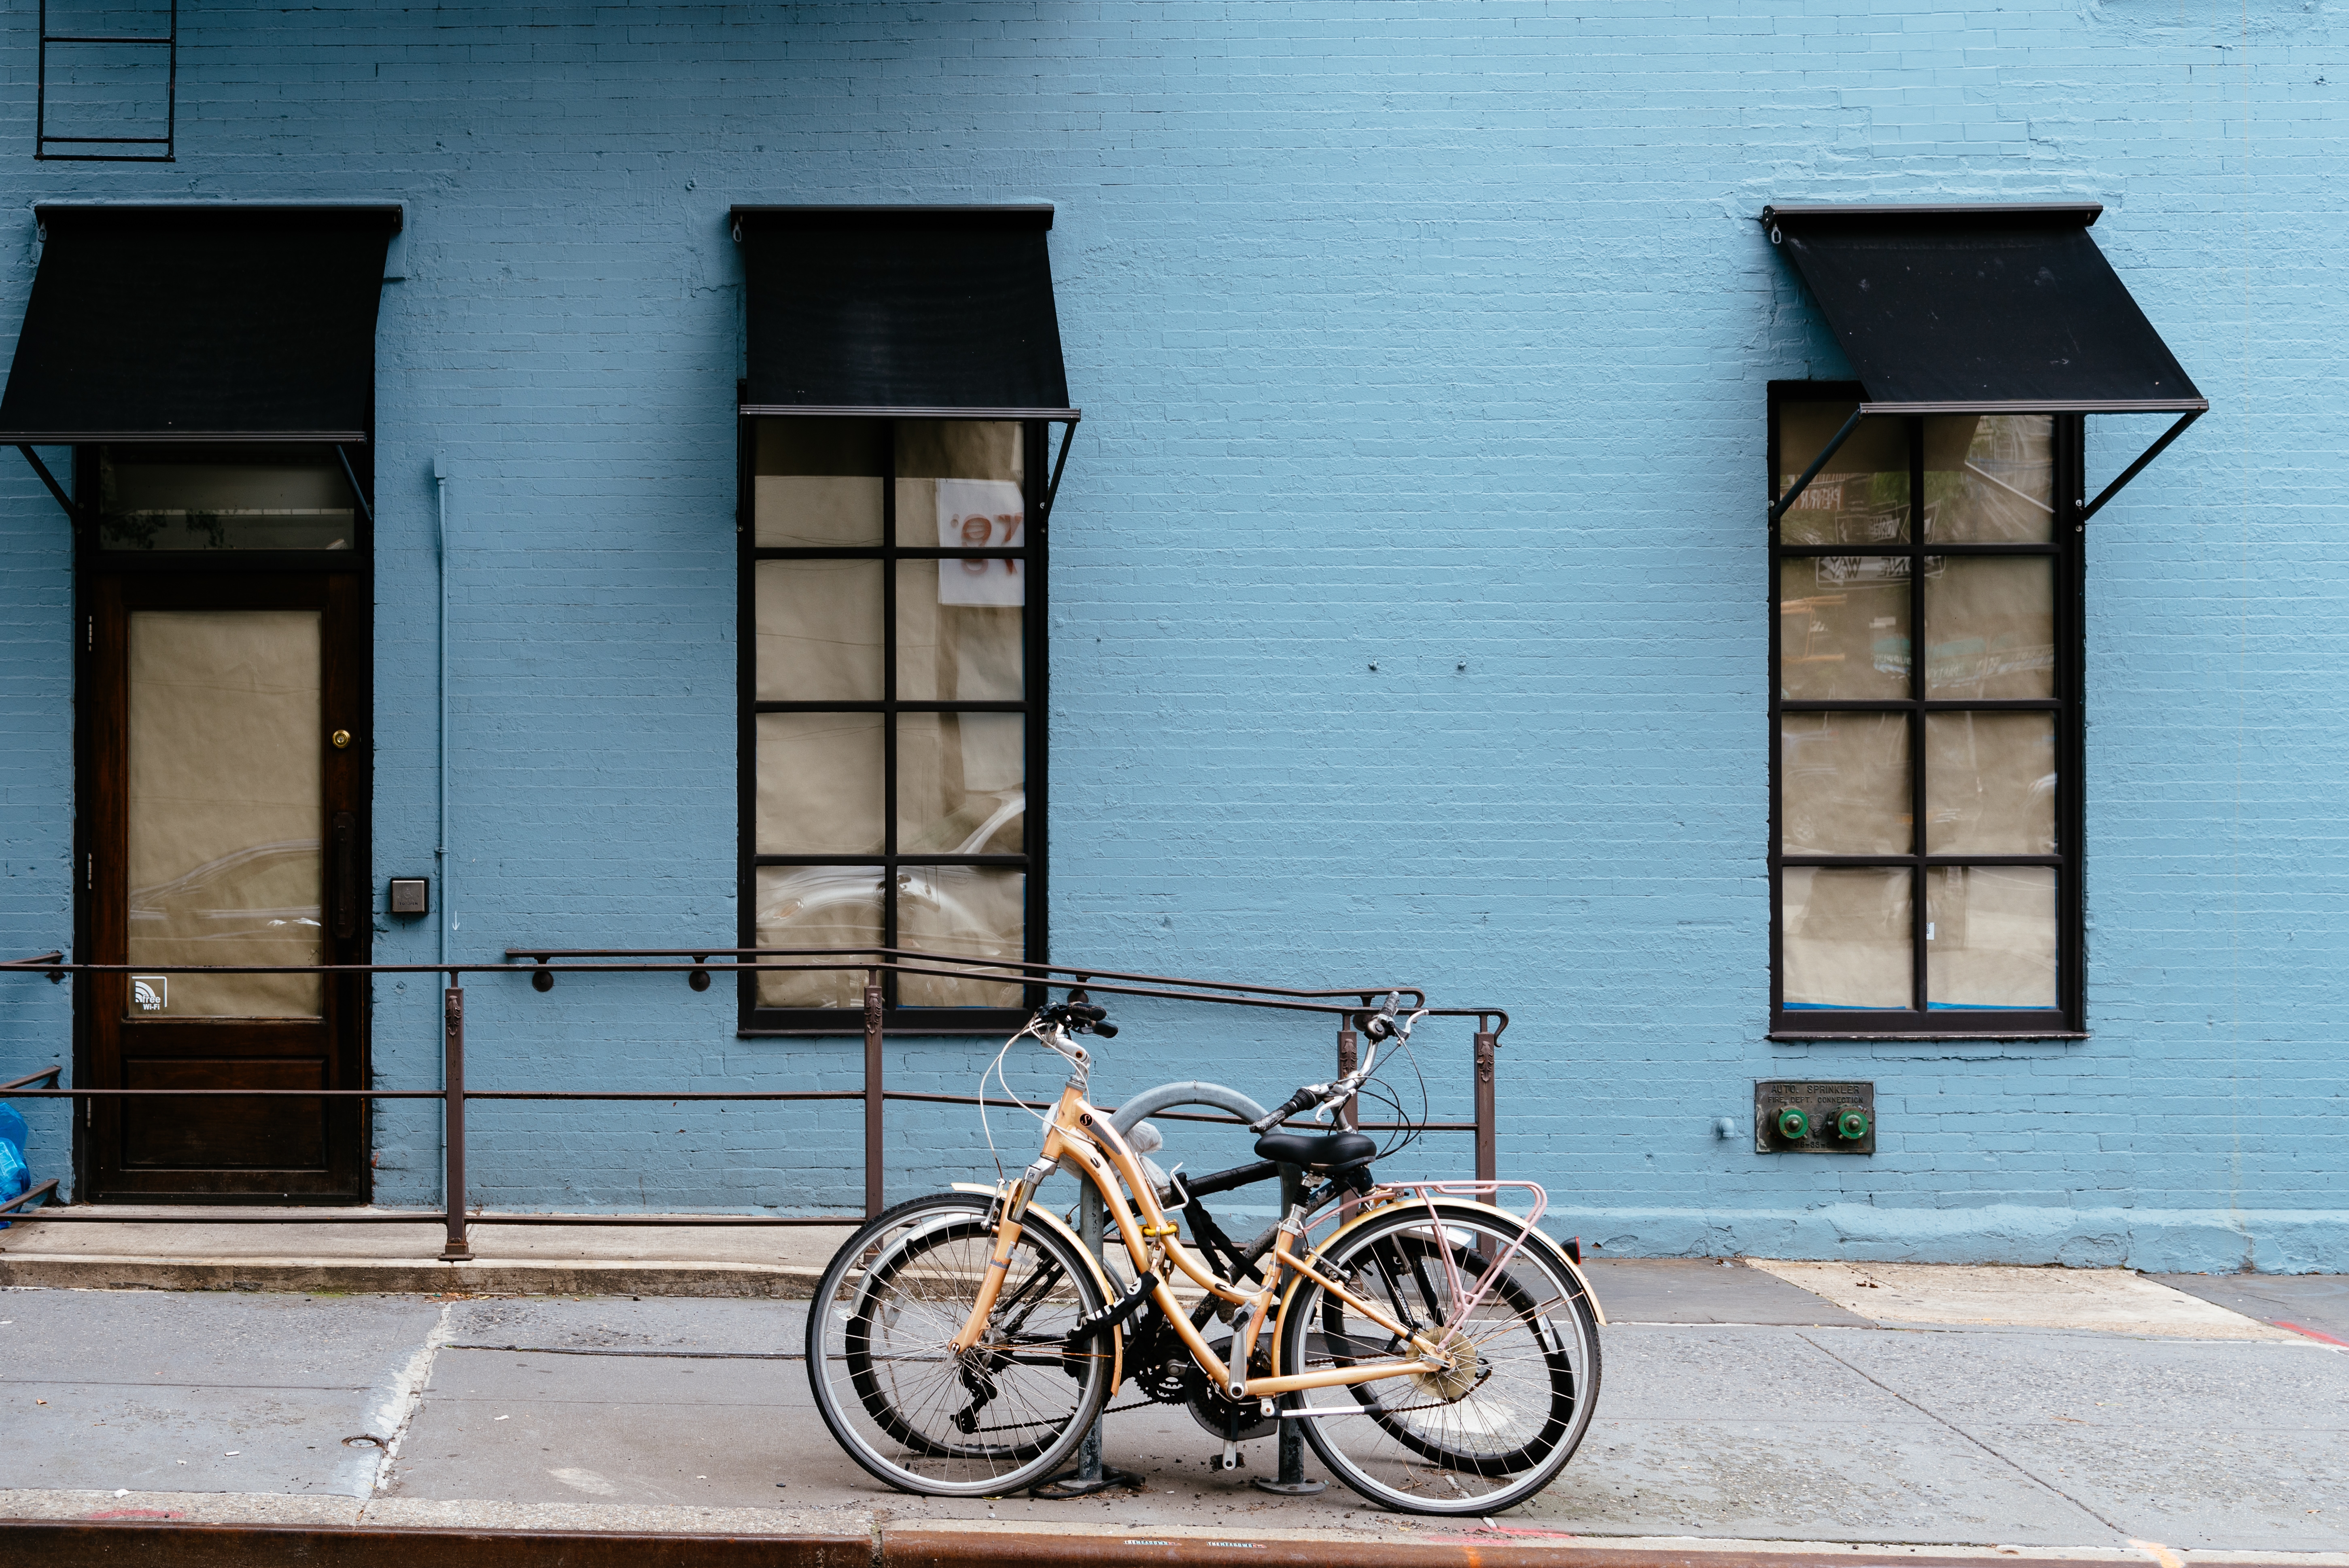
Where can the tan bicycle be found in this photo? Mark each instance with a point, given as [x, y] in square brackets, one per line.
[1441, 1351]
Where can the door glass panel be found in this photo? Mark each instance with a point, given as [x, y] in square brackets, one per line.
[1990, 479]
[1861, 497]
[1846, 938]
[1990, 783]
[959, 630]
[820, 778]
[1989, 937]
[962, 783]
[225, 811]
[817, 482]
[1990, 626]
[816, 906]
[959, 484]
[181, 497]
[819, 631]
[1843, 627]
[1845, 779]
[973, 910]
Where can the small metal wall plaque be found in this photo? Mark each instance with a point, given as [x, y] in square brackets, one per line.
[411, 895]
[1792, 1116]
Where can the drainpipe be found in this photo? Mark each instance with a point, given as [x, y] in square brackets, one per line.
[441, 853]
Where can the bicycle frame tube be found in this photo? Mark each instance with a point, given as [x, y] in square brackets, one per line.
[1083, 1137]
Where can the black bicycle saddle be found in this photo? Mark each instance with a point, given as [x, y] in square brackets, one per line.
[1332, 1150]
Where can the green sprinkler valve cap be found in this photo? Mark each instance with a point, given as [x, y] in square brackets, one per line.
[1852, 1125]
[1792, 1123]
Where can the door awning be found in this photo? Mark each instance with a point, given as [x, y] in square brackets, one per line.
[911, 311]
[1993, 309]
[199, 324]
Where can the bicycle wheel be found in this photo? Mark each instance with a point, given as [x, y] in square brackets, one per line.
[1522, 1341]
[908, 1409]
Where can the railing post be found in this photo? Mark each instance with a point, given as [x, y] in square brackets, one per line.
[452, 1120]
[873, 1101]
[1487, 1118]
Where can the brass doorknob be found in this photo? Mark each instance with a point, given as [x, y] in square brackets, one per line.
[341, 738]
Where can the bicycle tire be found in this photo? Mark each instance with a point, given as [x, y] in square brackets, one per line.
[1472, 1447]
[887, 1389]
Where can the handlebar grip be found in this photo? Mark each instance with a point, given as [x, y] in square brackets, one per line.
[1086, 1013]
[1107, 1031]
[1296, 1102]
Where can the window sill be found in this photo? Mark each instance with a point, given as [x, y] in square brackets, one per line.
[1805, 1036]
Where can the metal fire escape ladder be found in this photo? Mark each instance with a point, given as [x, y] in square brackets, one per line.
[109, 148]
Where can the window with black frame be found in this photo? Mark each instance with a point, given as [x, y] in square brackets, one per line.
[1925, 723]
[891, 682]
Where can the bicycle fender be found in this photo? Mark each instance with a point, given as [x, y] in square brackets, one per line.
[1558, 1254]
[1111, 1290]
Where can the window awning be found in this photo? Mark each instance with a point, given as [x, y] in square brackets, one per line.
[2008, 309]
[912, 312]
[199, 324]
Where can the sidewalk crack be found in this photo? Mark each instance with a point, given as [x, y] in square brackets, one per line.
[1935, 1415]
[392, 1417]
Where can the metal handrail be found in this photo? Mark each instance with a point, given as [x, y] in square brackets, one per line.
[703, 962]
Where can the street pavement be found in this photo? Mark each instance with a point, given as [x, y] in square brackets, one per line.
[1736, 1404]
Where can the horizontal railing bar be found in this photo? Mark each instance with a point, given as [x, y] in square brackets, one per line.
[1022, 965]
[90, 38]
[27, 1195]
[431, 1217]
[244, 1093]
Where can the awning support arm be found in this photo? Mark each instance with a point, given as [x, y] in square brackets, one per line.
[1778, 508]
[2137, 466]
[358, 494]
[49, 479]
[1052, 490]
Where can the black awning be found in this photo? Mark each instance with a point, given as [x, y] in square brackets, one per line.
[910, 311]
[199, 324]
[1988, 309]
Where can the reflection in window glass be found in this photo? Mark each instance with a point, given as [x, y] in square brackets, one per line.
[1989, 937]
[816, 906]
[820, 783]
[1861, 497]
[1843, 778]
[229, 497]
[1843, 626]
[952, 645]
[960, 484]
[962, 783]
[816, 483]
[977, 911]
[1990, 479]
[1990, 626]
[1846, 938]
[1990, 783]
[818, 628]
[227, 813]
[884, 667]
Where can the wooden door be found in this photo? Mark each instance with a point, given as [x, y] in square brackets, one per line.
[223, 792]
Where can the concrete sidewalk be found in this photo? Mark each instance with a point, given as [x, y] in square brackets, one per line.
[1737, 1404]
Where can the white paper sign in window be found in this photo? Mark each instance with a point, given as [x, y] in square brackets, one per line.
[981, 514]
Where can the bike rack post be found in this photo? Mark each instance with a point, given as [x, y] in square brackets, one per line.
[872, 1093]
[453, 1123]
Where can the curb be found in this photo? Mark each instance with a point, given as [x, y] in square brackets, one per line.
[404, 1276]
[135, 1544]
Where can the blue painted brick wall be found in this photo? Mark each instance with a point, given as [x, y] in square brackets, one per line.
[1424, 336]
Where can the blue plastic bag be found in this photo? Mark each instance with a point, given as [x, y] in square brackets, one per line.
[14, 1174]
